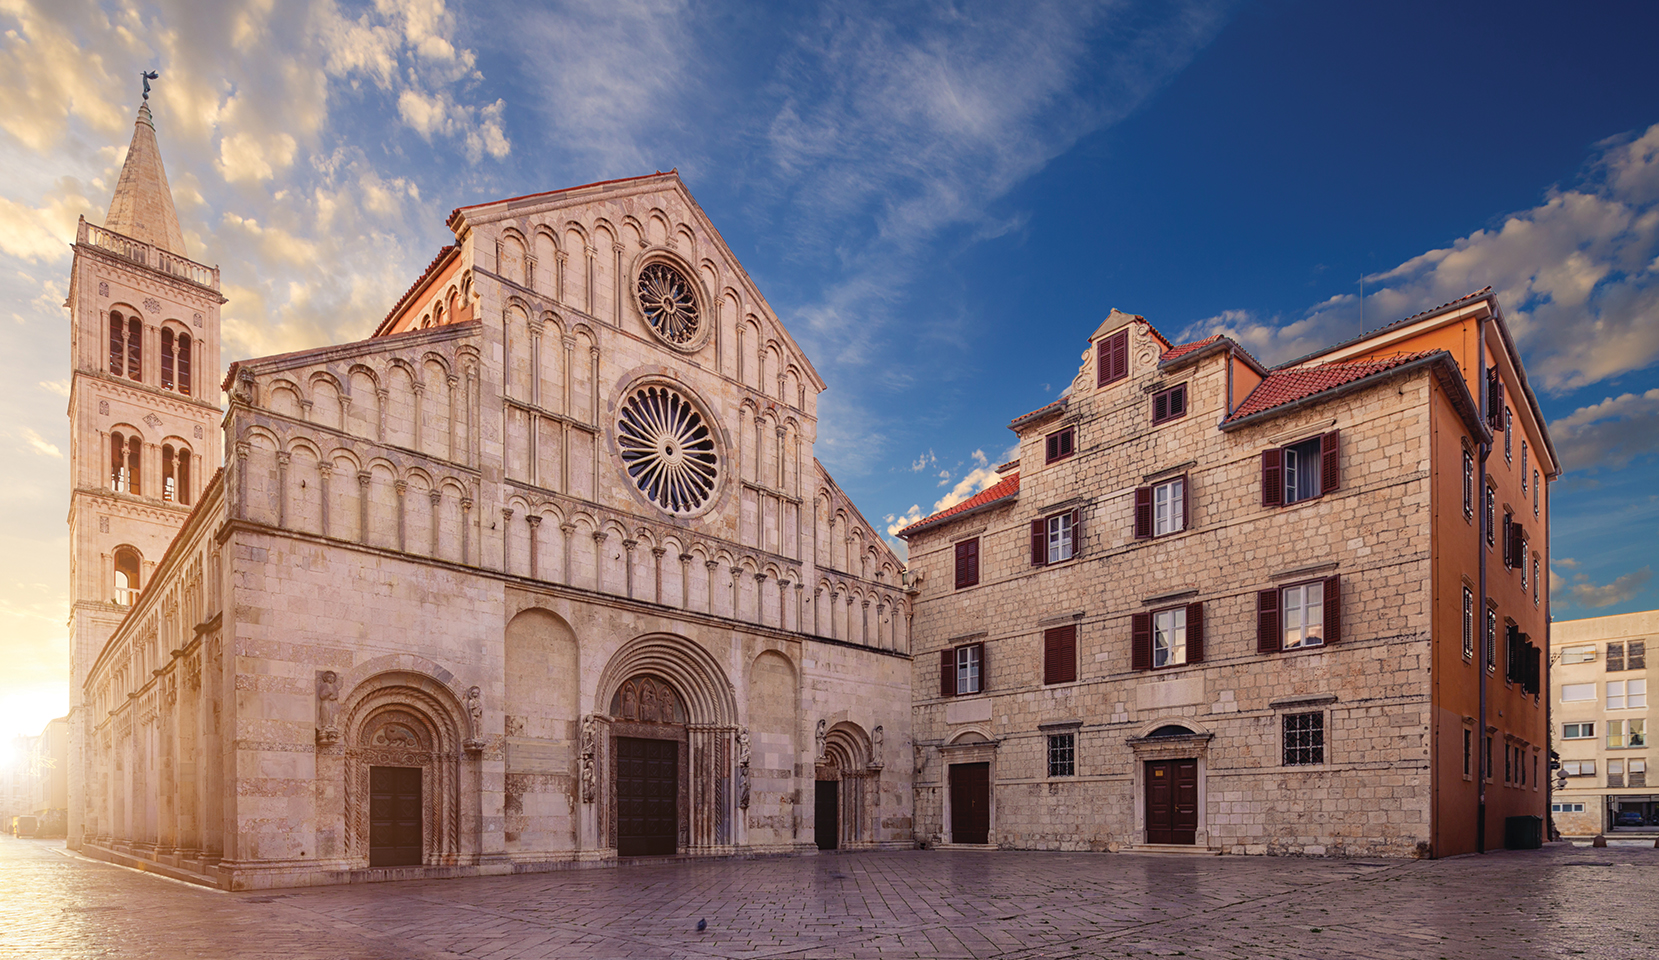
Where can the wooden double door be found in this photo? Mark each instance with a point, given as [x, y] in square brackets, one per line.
[1172, 801]
[647, 796]
[394, 816]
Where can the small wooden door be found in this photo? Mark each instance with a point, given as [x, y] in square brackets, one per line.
[394, 816]
[647, 797]
[1172, 801]
[970, 803]
[826, 805]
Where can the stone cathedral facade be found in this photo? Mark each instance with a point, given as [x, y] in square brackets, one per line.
[543, 571]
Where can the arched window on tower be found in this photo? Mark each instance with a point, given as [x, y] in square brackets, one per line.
[123, 466]
[175, 474]
[126, 576]
[184, 363]
[117, 344]
[166, 359]
[135, 349]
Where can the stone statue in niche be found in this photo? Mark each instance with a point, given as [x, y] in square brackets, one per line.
[822, 735]
[590, 734]
[328, 707]
[665, 703]
[648, 702]
[877, 737]
[743, 768]
[630, 702]
[475, 710]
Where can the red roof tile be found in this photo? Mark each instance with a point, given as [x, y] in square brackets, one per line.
[1186, 348]
[438, 261]
[1297, 383]
[1006, 487]
[1057, 405]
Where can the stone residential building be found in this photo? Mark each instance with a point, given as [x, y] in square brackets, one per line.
[1605, 783]
[1215, 606]
[543, 571]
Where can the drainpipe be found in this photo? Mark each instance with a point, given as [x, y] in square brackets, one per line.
[1484, 751]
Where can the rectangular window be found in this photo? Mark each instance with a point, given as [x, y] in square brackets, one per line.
[1468, 750]
[1058, 445]
[1578, 731]
[1060, 654]
[1488, 773]
[970, 675]
[1523, 468]
[1169, 507]
[1062, 754]
[1169, 637]
[1169, 404]
[1638, 772]
[1112, 358]
[1492, 514]
[1491, 651]
[1578, 768]
[1304, 739]
[967, 563]
[1304, 613]
[1535, 581]
[1626, 694]
[1056, 539]
[1624, 734]
[1468, 624]
[1468, 484]
[1571, 692]
[1301, 471]
[1566, 808]
[1535, 493]
[1522, 563]
[1615, 773]
[1578, 654]
[1059, 538]
[1636, 655]
[1615, 657]
[1508, 433]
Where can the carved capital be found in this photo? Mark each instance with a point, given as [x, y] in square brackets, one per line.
[532, 519]
[600, 536]
[567, 528]
[658, 552]
[436, 497]
[283, 457]
[506, 513]
[363, 478]
[401, 486]
[629, 545]
[466, 504]
[325, 469]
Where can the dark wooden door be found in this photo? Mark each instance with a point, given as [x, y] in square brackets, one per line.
[826, 807]
[1172, 801]
[970, 803]
[394, 816]
[647, 796]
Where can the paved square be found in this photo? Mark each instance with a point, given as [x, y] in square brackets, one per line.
[1557, 902]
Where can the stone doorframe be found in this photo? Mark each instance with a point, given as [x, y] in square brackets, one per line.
[1194, 745]
[849, 759]
[968, 746]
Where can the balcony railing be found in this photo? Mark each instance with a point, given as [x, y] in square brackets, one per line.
[148, 255]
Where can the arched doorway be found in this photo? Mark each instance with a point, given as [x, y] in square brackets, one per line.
[662, 688]
[843, 788]
[1170, 766]
[649, 738]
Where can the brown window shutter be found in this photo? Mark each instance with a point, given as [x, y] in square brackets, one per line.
[973, 561]
[1494, 399]
[1039, 543]
[1330, 463]
[1268, 639]
[1178, 401]
[1333, 609]
[1143, 512]
[1113, 359]
[1102, 361]
[1160, 407]
[984, 668]
[947, 672]
[1076, 531]
[1195, 632]
[1186, 501]
[961, 565]
[1060, 654]
[1517, 544]
[1273, 478]
[1140, 641]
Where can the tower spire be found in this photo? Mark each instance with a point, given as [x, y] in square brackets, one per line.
[142, 207]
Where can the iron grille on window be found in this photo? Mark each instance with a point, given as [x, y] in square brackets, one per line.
[1304, 739]
[1062, 755]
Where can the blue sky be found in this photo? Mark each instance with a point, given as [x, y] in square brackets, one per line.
[940, 200]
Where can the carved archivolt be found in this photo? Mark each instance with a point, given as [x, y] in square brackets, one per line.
[406, 720]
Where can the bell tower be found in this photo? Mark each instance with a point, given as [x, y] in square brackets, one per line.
[143, 409]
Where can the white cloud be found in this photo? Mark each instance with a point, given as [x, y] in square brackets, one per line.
[1577, 276]
[59, 387]
[1621, 589]
[1609, 434]
[38, 444]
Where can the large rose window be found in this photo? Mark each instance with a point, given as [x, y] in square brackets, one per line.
[669, 303]
[667, 449]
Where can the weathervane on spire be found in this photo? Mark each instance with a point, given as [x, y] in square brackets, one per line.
[148, 75]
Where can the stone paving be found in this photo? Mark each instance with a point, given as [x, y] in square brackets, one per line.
[1561, 901]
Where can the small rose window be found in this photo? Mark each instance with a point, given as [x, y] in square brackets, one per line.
[669, 303]
[667, 449]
